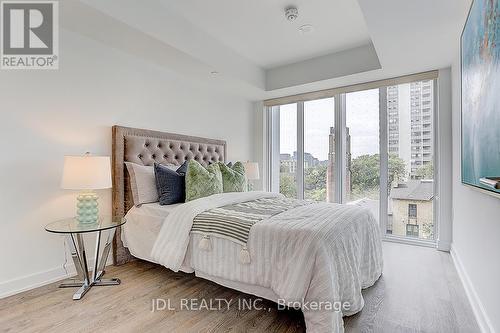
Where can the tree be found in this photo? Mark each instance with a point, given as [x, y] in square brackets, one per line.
[428, 230]
[316, 195]
[315, 177]
[365, 172]
[365, 178]
[425, 171]
[287, 185]
[397, 168]
[315, 182]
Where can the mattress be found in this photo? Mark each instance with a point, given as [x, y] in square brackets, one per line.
[142, 228]
[311, 254]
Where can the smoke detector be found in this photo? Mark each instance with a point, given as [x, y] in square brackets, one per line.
[291, 13]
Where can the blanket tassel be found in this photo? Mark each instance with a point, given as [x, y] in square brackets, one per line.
[205, 243]
[244, 255]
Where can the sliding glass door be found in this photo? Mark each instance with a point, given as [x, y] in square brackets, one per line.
[374, 147]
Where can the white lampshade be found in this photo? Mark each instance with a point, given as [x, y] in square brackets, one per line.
[86, 172]
[252, 170]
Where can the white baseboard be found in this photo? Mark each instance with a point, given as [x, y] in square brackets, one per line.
[31, 281]
[477, 307]
[443, 246]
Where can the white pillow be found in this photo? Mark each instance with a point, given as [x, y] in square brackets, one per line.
[142, 183]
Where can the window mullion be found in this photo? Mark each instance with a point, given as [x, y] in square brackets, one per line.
[340, 147]
[384, 160]
[268, 152]
[438, 236]
[274, 148]
[300, 150]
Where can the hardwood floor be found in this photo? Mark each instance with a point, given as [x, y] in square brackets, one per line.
[418, 292]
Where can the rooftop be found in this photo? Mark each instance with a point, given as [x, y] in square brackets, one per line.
[414, 190]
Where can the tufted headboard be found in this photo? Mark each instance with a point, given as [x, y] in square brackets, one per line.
[146, 147]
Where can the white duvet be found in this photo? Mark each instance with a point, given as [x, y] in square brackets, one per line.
[319, 255]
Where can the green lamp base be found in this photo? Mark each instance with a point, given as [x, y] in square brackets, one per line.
[87, 211]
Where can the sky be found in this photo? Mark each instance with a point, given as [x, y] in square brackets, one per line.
[362, 118]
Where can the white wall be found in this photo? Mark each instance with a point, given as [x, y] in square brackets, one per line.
[340, 64]
[47, 114]
[476, 233]
[443, 149]
[259, 139]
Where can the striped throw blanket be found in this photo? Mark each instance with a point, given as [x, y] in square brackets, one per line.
[233, 222]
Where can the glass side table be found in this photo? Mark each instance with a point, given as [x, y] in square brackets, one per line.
[74, 231]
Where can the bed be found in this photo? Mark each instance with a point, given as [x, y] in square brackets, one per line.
[318, 256]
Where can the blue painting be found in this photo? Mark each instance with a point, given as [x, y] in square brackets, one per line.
[480, 50]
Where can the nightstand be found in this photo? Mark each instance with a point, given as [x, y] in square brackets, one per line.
[74, 231]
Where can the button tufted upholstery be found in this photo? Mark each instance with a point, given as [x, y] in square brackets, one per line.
[146, 147]
[148, 150]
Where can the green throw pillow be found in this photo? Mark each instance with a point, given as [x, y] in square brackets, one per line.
[202, 182]
[233, 177]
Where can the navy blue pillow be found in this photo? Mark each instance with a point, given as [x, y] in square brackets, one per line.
[170, 184]
[183, 168]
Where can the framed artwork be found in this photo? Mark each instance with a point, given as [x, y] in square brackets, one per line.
[480, 76]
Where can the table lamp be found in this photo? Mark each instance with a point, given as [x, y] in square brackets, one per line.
[252, 173]
[86, 173]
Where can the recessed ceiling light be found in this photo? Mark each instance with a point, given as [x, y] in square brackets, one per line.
[306, 29]
[214, 73]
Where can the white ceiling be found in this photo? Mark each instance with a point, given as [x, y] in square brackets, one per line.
[415, 34]
[250, 43]
[259, 31]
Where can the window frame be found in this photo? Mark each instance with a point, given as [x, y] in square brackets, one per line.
[339, 94]
[410, 210]
[413, 227]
